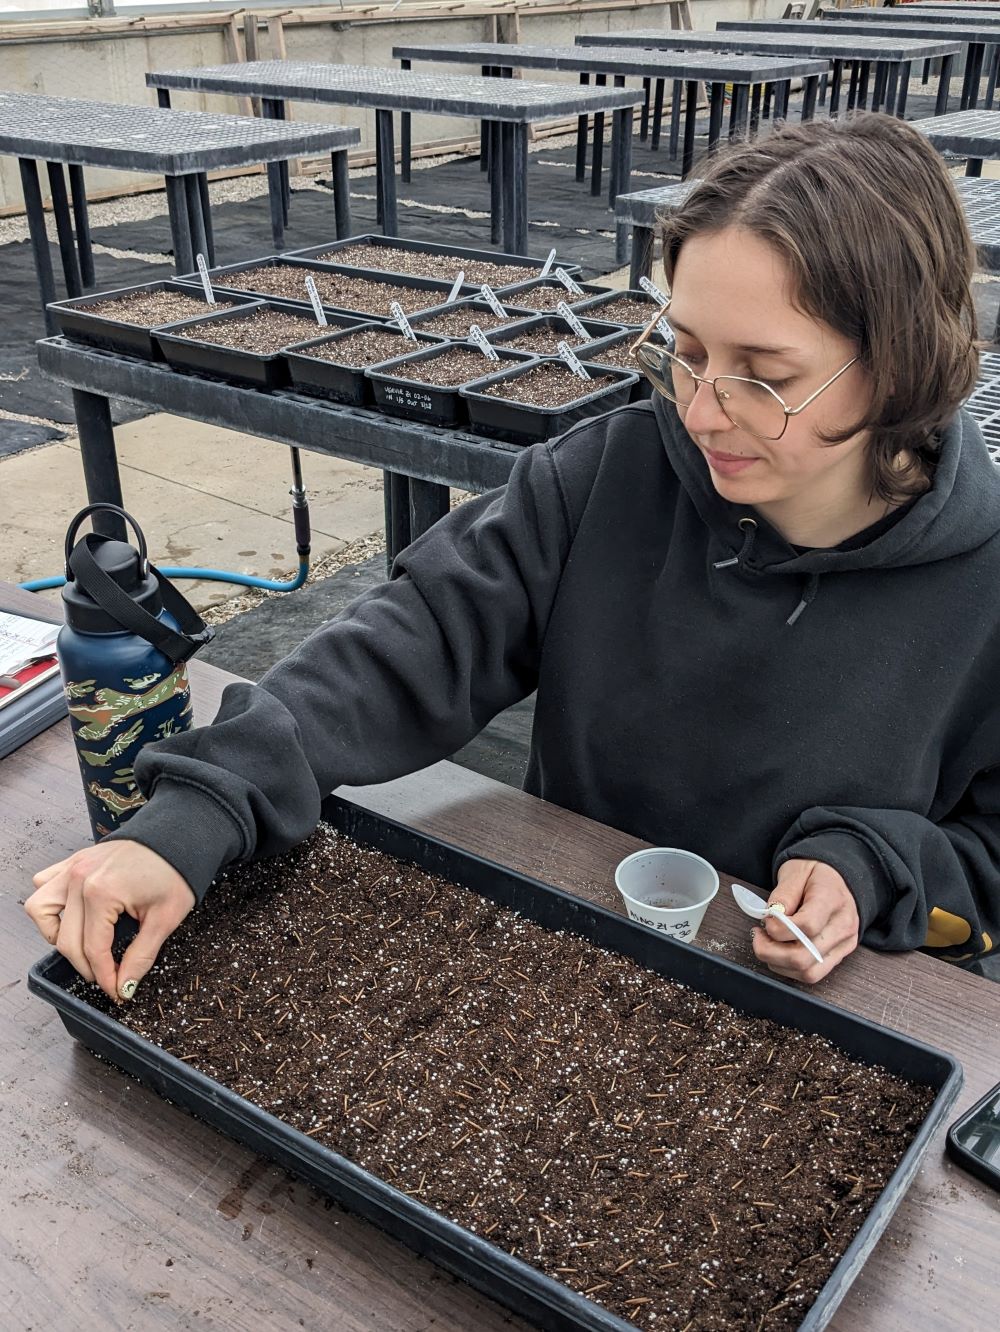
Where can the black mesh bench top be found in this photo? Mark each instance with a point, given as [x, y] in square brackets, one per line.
[957, 31]
[712, 67]
[915, 16]
[824, 45]
[398, 90]
[968, 133]
[147, 138]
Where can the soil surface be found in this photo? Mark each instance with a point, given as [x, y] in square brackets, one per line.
[262, 331]
[148, 309]
[340, 290]
[545, 340]
[457, 365]
[683, 1165]
[456, 322]
[361, 349]
[544, 298]
[548, 385]
[424, 263]
[626, 310]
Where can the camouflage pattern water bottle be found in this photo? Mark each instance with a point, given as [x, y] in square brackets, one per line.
[122, 653]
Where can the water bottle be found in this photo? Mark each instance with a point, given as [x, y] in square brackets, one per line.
[122, 654]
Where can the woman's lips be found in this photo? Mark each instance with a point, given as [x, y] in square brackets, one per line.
[728, 464]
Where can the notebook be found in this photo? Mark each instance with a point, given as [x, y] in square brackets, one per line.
[31, 692]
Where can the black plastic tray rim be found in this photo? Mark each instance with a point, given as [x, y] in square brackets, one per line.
[520, 1286]
[457, 252]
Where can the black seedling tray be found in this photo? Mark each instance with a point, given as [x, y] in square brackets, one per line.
[334, 380]
[234, 364]
[475, 306]
[509, 295]
[75, 319]
[523, 1288]
[431, 403]
[524, 423]
[642, 390]
[507, 337]
[593, 306]
[456, 252]
[222, 278]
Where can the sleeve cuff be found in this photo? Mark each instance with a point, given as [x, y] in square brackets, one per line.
[857, 862]
[189, 829]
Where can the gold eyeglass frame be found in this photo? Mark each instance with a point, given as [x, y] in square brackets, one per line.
[649, 352]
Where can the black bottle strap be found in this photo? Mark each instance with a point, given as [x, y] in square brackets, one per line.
[103, 589]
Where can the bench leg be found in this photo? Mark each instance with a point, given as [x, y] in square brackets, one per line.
[341, 193]
[396, 499]
[716, 110]
[809, 97]
[180, 231]
[582, 126]
[622, 173]
[654, 142]
[647, 85]
[99, 459]
[836, 80]
[691, 111]
[386, 171]
[404, 137]
[642, 255]
[598, 159]
[496, 184]
[163, 98]
[677, 94]
[206, 218]
[196, 224]
[428, 503]
[81, 225]
[39, 237]
[64, 228]
[944, 85]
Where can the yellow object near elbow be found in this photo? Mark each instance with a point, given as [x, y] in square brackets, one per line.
[946, 930]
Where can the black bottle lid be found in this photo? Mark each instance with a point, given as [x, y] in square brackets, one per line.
[125, 566]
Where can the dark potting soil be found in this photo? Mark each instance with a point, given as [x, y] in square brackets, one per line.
[337, 289]
[618, 354]
[544, 341]
[423, 263]
[681, 1164]
[147, 309]
[544, 299]
[550, 385]
[367, 348]
[458, 365]
[457, 322]
[262, 331]
[626, 310]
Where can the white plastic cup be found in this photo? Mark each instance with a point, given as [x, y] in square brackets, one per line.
[667, 889]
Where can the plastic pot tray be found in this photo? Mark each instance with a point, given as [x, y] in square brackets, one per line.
[523, 423]
[523, 1288]
[456, 252]
[592, 305]
[76, 320]
[333, 379]
[509, 295]
[437, 291]
[233, 364]
[475, 306]
[431, 403]
[506, 336]
[642, 389]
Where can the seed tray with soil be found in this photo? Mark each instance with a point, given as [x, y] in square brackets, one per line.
[244, 346]
[553, 1102]
[541, 336]
[616, 351]
[418, 258]
[424, 385]
[352, 290]
[334, 367]
[455, 319]
[540, 401]
[634, 308]
[542, 295]
[121, 320]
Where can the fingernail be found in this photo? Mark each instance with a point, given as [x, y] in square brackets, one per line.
[127, 989]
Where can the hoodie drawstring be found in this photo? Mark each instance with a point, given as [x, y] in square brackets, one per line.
[749, 527]
[808, 595]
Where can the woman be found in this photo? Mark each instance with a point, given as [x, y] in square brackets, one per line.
[759, 611]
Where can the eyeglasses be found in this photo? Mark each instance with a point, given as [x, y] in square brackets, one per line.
[750, 404]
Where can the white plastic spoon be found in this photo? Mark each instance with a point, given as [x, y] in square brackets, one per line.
[755, 907]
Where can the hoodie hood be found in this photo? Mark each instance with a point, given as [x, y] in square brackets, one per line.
[959, 512]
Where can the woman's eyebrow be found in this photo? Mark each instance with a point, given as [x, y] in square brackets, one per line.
[752, 347]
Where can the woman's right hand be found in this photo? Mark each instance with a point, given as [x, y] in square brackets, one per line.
[78, 901]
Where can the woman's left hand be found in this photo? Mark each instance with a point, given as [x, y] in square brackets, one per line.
[816, 897]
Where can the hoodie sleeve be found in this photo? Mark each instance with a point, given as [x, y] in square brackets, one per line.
[403, 677]
[918, 884]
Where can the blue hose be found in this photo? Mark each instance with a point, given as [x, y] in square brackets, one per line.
[213, 575]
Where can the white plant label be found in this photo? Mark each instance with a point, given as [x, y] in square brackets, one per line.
[547, 266]
[489, 296]
[651, 289]
[206, 281]
[665, 332]
[568, 282]
[315, 301]
[399, 314]
[563, 309]
[453, 294]
[566, 352]
[477, 336]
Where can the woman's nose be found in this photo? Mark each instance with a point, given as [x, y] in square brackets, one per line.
[704, 415]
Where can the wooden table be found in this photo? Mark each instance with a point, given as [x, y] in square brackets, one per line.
[123, 1213]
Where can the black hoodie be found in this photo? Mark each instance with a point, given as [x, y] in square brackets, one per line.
[700, 682]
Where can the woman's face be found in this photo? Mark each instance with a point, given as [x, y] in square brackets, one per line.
[731, 307]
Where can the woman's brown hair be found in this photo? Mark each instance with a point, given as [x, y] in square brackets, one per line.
[865, 215]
